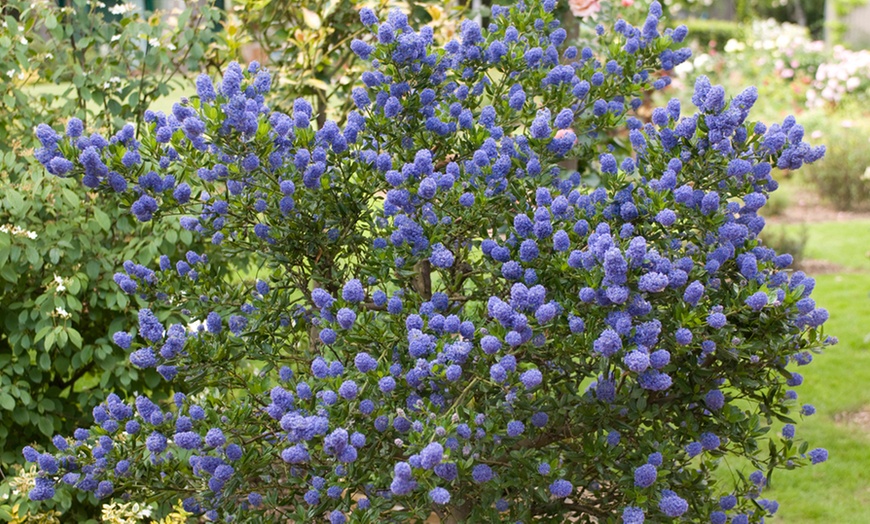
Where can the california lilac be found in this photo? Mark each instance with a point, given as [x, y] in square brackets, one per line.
[436, 315]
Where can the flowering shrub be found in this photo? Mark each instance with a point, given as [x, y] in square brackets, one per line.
[314, 37]
[58, 248]
[846, 73]
[434, 317]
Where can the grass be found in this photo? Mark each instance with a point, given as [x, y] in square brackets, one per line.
[846, 244]
[839, 490]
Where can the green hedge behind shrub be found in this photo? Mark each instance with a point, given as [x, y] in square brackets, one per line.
[704, 30]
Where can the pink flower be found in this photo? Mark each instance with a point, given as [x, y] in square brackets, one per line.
[627, 3]
[584, 8]
[562, 132]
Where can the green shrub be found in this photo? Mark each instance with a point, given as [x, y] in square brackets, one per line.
[704, 30]
[58, 304]
[841, 178]
[783, 241]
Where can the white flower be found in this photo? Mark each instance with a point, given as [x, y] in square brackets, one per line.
[734, 46]
[24, 41]
[122, 9]
[62, 313]
[17, 231]
[115, 38]
[153, 42]
[59, 281]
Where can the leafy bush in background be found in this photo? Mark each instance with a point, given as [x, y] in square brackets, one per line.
[704, 31]
[783, 241]
[440, 319]
[843, 178]
[58, 304]
[112, 67]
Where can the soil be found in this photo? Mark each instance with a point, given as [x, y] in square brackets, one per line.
[861, 418]
[822, 267]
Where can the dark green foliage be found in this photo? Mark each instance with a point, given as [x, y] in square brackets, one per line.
[56, 360]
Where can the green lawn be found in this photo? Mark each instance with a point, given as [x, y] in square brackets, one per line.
[839, 490]
[846, 244]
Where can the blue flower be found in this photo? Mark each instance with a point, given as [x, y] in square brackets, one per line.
[441, 256]
[632, 515]
[439, 496]
[213, 323]
[515, 428]
[637, 361]
[362, 49]
[43, 489]
[716, 320]
[714, 399]
[540, 127]
[608, 343]
[757, 301]
[431, 455]
[367, 16]
[672, 505]
[561, 488]
[353, 291]
[645, 476]
[709, 441]
[693, 293]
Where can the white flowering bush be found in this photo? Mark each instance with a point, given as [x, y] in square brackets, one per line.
[435, 318]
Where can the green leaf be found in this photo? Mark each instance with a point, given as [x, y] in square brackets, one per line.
[32, 255]
[46, 426]
[6, 401]
[102, 219]
[74, 286]
[74, 337]
[50, 21]
[12, 25]
[71, 198]
[15, 201]
[42, 333]
[44, 362]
